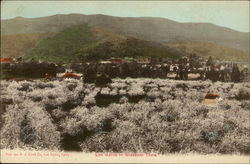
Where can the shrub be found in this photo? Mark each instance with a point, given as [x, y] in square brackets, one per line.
[212, 137]
[145, 116]
[245, 105]
[243, 94]
[27, 135]
[173, 116]
[28, 126]
[10, 131]
[44, 85]
[228, 126]
[71, 86]
[24, 87]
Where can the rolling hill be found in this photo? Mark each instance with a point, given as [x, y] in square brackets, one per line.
[148, 28]
[83, 43]
[45, 38]
[206, 49]
[16, 45]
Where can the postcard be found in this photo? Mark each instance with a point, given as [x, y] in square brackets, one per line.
[125, 82]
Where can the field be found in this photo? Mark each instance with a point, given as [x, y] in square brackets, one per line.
[128, 115]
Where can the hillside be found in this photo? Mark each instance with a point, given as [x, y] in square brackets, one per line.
[83, 43]
[18, 44]
[63, 46]
[147, 28]
[206, 49]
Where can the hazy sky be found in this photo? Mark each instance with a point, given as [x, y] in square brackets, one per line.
[232, 14]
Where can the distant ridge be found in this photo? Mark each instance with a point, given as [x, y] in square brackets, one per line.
[153, 29]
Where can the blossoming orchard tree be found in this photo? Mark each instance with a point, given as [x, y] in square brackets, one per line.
[127, 115]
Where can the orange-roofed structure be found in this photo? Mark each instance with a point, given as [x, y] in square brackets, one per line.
[212, 96]
[211, 99]
[6, 60]
[70, 75]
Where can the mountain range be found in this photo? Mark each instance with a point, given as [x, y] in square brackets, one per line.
[147, 35]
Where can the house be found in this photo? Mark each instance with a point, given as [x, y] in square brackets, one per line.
[211, 99]
[70, 75]
[7, 60]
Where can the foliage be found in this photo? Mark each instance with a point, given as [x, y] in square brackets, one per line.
[81, 43]
[167, 117]
[69, 42]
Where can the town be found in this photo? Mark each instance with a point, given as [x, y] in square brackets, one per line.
[190, 67]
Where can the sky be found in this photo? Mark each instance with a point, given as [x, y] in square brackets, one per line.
[231, 14]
